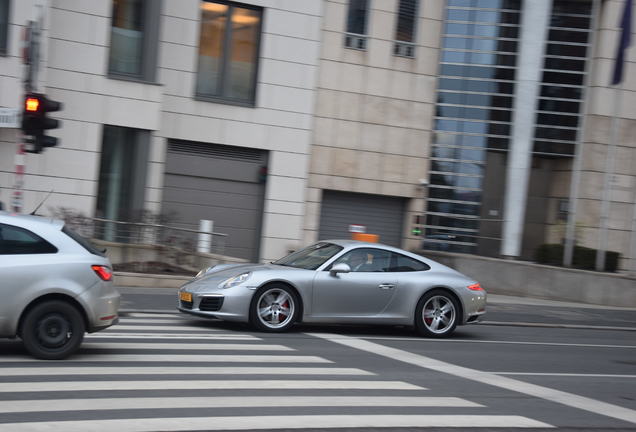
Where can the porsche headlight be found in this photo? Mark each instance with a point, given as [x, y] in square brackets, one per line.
[235, 280]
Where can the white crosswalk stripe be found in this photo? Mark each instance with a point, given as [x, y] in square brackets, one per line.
[167, 372]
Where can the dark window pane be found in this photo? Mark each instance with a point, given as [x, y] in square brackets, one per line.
[4, 25]
[566, 50]
[583, 7]
[401, 263]
[568, 36]
[19, 241]
[475, 99]
[498, 143]
[559, 106]
[457, 167]
[214, 18]
[565, 64]
[127, 37]
[476, 86]
[454, 194]
[478, 72]
[246, 25]
[569, 21]
[406, 21]
[555, 134]
[561, 92]
[554, 148]
[557, 120]
[563, 78]
[499, 129]
[357, 17]
[453, 208]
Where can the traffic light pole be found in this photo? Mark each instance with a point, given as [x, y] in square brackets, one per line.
[18, 199]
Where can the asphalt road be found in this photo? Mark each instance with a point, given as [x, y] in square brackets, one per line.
[531, 364]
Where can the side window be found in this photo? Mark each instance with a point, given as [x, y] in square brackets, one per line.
[18, 241]
[401, 263]
[366, 260]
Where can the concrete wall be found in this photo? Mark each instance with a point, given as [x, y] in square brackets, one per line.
[526, 279]
[374, 110]
[597, 139]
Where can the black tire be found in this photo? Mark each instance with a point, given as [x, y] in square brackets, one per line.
[437, 314]
[52, 330]
[283, 305]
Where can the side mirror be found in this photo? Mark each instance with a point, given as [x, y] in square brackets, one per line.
[340, 268]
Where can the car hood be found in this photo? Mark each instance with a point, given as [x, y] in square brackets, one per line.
[219, 273]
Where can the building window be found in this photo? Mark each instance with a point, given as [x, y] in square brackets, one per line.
[122, 175]
[405, 29]
[4, 26]
[356, 36]
[228, 52]
[133, 39]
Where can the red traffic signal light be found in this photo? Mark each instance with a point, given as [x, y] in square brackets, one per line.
[35, 121]
[32, 104]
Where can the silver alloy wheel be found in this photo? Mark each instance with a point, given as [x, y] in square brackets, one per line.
[439, 314]
[275, 308]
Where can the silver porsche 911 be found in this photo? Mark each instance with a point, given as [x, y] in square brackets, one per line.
[339, 281]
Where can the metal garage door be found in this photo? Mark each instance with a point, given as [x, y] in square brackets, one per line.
[381, 215]
[218, 183]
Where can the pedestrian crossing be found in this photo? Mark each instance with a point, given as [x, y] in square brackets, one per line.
[168, 372]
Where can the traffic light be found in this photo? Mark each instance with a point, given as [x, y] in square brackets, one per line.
[35, 120]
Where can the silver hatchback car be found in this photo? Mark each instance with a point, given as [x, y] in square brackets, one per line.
[54, 286]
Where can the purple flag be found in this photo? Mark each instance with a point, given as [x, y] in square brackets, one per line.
[624, 42]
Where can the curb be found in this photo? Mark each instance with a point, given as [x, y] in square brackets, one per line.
[554, 325]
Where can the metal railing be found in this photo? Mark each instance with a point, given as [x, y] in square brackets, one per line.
[143, 233]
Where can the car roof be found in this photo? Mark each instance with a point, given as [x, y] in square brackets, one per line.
[347, 243]
[29, 221]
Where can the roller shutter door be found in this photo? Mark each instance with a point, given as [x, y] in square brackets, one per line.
[219, 183]
[381, 215]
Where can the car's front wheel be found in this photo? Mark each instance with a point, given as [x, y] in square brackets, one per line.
[274, 308]
[436, 314]
[52, 330]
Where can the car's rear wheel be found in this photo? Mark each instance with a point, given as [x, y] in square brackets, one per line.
[436, 314]
[274, 308]
[52, 330]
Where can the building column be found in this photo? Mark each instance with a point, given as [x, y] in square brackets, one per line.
[535, 16]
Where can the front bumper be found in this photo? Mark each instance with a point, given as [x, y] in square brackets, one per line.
[230, 304]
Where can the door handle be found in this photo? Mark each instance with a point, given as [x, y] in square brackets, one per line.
[386, 286]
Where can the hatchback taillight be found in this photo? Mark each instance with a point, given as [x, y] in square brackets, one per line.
[103, 272]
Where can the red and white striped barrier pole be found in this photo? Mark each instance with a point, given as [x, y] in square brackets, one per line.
[18, 198]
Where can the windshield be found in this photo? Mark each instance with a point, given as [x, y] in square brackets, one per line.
[311, 257]
[82, 241]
